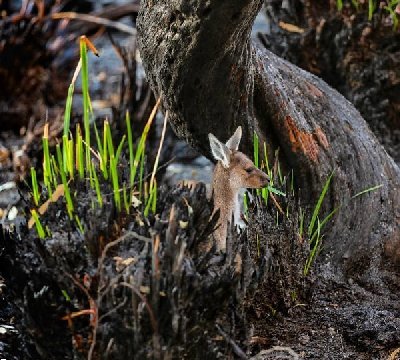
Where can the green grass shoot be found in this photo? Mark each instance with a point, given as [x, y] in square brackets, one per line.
[108, 137]
[67, 194]
[151, 200]
[256, 149]
[315, 227]
[79, 153]
[142, 142]
[68, 107]
[130, 145]
[115, 182]
[315, 248]
[102, 149]
[141, 175]
[86, 100]
[97, 186]
[391, 8]
[266, 162]
[79, 224]
[371, 8]
[35, 187]
[54, 171]
[365, 191]
[321, 225]
[39, 228]
[319, 204]
[119, 148]
[68, 155]
[65, 294]
[126, 198]
[47, 171]
[275, 191]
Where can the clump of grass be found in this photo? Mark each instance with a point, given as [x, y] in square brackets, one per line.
[315, 227]
[74, 157]
[266, 192]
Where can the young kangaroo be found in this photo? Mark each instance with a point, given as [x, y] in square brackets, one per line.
[233, 171]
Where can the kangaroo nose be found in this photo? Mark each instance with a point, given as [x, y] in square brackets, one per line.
[266, 180]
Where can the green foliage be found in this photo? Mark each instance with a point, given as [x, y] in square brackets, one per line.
[35, 187]
[67, 193]
[365, 191]
[79, 157]
[315, 227]
[86, 100]
[373, 6]
[266, 168]
[130, 144]
[97, 186]
[38, 224]
[76, 159]
[317, 208]
[47, 171]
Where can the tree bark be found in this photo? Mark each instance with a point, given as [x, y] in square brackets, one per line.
[199, 57]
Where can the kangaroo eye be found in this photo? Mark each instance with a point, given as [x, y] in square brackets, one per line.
[249, 170]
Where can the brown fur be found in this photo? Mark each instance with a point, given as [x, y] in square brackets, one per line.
[227, 182]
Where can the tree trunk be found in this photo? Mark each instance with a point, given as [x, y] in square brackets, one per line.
[199, 57]
[358, 57]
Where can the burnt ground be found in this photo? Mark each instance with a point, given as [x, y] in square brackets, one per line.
[157, 291]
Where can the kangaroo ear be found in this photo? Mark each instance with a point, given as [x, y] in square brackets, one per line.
[234, 141]
[220, 151]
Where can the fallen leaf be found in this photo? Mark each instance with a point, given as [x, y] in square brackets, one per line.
[290, 27]
[43, 208]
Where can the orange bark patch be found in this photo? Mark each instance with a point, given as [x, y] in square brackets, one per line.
[305, 142]
[314, 90]
[320, 135]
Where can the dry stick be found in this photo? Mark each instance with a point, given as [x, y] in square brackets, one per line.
[276, 204]
[113, 310]
[92, 302]
[159, 150]
[149, 309]
[236, 349]
[96, 20]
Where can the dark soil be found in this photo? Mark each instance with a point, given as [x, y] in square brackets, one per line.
[155, 291]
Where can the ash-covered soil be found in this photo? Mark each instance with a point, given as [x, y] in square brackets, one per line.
[137, 287]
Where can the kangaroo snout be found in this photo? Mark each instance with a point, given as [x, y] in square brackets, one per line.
[257, 180]
[264, 180]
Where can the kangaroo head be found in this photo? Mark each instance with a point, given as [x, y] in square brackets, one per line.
[237, 167]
